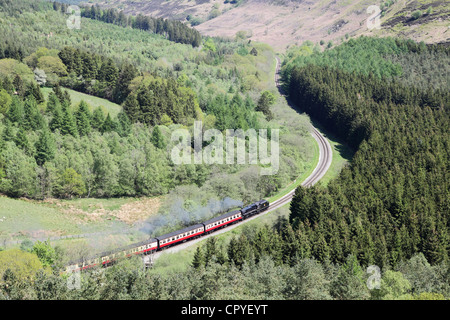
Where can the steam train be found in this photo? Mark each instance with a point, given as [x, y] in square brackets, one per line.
[170, 239]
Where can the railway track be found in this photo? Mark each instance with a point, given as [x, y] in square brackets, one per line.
[325, 157]
[325, 154]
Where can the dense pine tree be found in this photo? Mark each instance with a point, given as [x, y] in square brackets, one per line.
[83, 117]
[45, 148]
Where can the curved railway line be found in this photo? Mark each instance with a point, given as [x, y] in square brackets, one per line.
[325, 157]
[225, 223]
[325, 154]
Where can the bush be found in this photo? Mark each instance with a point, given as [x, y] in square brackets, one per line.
[416, 14]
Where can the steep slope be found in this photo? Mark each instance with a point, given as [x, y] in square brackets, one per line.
[285, 22]
[281, 23]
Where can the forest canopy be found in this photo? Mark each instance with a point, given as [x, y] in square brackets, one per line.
[393, 200]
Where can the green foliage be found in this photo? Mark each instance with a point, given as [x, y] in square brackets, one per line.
[385, 122]
[69, 124]
[98, 118]
[209, 45]
[393, 286]
[21, 265]
[162, 97]
[266, 100]
[174, 30]
[22, 141]
[26, 245]
[5, 101]
[108, 125]
[198, 260]
[83, 116]
[45, 148]
[429, 296]
[70, 185]
[45, 252]
[416, 14]
[234, 113]
[157, 138]
[14, 68]
[363, 55]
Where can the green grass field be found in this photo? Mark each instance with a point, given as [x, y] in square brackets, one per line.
[27, 219]
[93, 102]
[20, 217]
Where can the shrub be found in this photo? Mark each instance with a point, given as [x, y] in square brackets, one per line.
[416, 14]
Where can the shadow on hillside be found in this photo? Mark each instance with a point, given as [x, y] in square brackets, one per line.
[345, 151]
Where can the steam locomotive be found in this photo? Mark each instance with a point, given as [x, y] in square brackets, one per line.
[170, 239]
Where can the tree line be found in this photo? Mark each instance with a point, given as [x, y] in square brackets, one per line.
[392, 201]
[96, 75]
[173, 30]
[32, 273]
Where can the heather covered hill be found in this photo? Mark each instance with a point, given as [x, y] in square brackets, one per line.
[282, 22]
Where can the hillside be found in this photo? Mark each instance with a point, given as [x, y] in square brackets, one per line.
[65, 131]
[282, 22]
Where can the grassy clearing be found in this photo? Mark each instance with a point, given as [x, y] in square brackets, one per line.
[341, 157]
[21, 219]
[93, 102]
[24, 218]
[294, 184]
